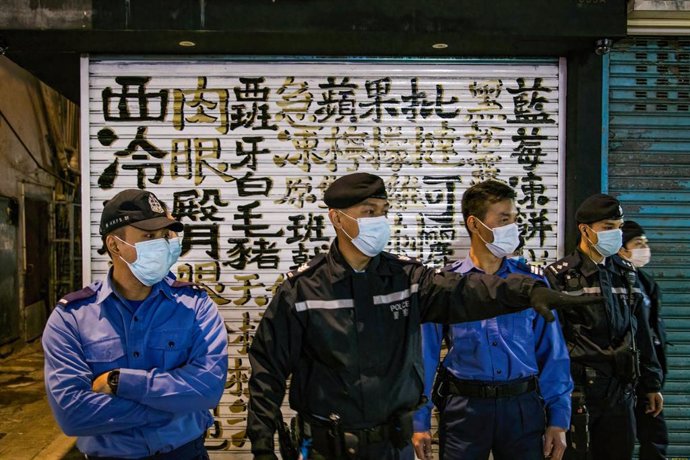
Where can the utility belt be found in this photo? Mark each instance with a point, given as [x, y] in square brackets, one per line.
[624, 366]
[193, 449]
[473, 389]
[330, 439]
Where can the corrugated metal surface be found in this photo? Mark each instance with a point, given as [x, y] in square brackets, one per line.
[242, 151]
[649, 170]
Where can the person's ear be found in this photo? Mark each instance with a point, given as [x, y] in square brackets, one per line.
[471, 224]
[111, 244]
[334, 216]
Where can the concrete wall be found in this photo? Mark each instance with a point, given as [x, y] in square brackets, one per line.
[30, 115]
[21, 108]
[46, 14]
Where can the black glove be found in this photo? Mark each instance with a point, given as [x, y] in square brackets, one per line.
[544, 299]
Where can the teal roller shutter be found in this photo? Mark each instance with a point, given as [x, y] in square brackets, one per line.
[649, 171]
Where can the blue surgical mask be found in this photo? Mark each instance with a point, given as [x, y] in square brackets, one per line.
[373, 236]
[609, 242]
[154, 259]
[175, 250]
[506, 239]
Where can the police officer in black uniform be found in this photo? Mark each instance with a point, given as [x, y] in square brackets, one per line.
[611, 348]
[346, 327]
[652, 432]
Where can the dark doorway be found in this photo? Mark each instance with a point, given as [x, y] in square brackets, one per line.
[37, 277]
[9, 300]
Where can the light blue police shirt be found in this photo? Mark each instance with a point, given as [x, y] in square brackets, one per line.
[504, 348]
[172, 354]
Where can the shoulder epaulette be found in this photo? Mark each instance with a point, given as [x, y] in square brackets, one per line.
[527, 267]
[624, 263]
[536, 269]
[307, 266]
[76, 296]
[401, 258]
[562, 265]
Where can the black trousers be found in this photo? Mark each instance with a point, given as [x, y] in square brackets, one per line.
[511, 428]
[611, 407]
[652, 433]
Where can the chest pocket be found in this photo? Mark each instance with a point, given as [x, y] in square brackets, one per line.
[517, 326]
[466, 337]
[104, 355]
[169, 348]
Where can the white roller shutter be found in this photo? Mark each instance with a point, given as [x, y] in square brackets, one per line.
[242, 152]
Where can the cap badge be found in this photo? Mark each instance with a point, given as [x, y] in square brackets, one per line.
[155, 205]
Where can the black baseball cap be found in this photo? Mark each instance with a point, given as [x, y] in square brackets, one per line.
[138, 208]
[352, 189]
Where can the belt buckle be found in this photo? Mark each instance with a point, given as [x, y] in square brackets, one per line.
[491, 391]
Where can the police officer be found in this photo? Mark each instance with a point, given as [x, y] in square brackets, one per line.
[346, 327]
[135, 362]
[652, 433]
[610, 348]
[498, 369]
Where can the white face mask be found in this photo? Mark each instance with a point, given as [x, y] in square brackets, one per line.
[506, 239]
[373, 236]
[640, 256]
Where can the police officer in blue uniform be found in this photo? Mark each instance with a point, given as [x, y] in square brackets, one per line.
[652, 432]
[504, 385]
[346, 328]
[611, 348]
[134, 363]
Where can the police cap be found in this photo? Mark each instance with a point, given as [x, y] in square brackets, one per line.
[599, 207]
[631, 229]
[138, 208]
[354, 188]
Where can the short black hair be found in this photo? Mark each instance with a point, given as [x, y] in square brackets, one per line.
[477, 199]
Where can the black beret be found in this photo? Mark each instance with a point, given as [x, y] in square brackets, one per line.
[631, 229]
[138, 208]
[354, 188]
[598, 207]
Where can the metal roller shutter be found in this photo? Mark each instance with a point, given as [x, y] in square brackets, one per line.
[242, 151]
[649, 171]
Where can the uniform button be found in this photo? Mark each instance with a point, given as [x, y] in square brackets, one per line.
[135, 354]
[498, 371]
[494, 343]
[171, 344]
